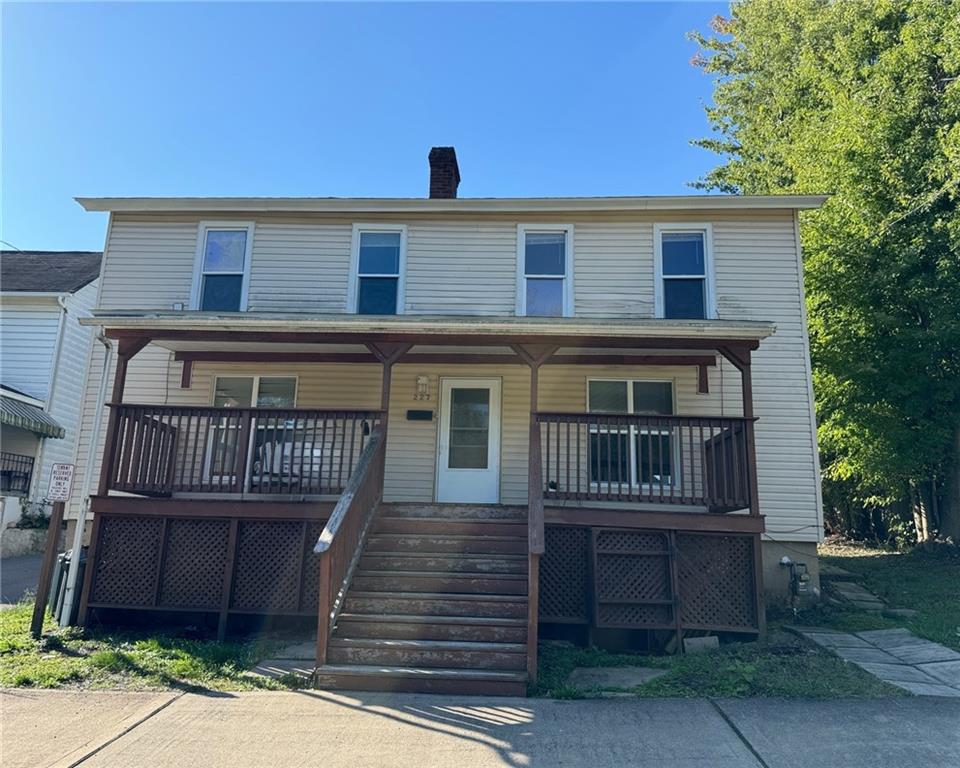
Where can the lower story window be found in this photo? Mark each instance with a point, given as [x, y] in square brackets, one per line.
[630, 454]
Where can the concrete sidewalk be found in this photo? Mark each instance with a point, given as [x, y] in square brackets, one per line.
[359, 730]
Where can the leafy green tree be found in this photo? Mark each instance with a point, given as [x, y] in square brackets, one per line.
[861, 100]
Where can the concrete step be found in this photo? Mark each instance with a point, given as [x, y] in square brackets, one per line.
[446, 654]
[454, 511]
[419, 627]
[445, 563]
[453, 583]
[424, 526]
[483, 545]
[419, 680]
[436, 604]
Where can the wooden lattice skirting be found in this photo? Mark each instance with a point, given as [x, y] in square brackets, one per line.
[658, 579]
[226, 566]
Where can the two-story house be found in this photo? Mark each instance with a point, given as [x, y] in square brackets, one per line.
[447, 427]
[43, 362]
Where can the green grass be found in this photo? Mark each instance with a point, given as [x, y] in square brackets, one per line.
[928, 582]
[77, 658]
[784, 666]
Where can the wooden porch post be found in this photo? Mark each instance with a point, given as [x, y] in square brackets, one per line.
[740, 357]
[126, 349]
[534, 356]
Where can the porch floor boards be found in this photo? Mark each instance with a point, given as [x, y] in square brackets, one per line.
[438, 604]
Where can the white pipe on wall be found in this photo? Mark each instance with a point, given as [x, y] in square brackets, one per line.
[87, 483]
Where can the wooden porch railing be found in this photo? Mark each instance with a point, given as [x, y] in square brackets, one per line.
[685, 460]
[341, 541]
[159, 450]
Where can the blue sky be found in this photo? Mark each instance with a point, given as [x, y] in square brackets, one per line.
[340, 99]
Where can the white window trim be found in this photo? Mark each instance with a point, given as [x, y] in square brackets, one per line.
[709, 299]
[256, 384]
[204, 227]
[632, 431]
[353, 287]
[522, 230]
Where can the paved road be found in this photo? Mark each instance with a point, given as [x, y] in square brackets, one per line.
[18, 575]
[341, 730]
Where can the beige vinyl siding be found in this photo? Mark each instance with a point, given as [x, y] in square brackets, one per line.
[299, 267]
[613, 269]
[757, 277]
[461, 268]
[148, 262]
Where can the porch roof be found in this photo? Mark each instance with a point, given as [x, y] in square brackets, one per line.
[431, 329]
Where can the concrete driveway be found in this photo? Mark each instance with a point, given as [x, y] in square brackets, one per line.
[334, 730]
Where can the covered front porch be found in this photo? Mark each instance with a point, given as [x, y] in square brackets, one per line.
[553, 416]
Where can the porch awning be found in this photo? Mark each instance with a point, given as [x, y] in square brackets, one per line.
[432, 329]
[16, 413]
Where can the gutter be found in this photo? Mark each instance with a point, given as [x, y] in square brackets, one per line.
[51, 389]
[87, 483]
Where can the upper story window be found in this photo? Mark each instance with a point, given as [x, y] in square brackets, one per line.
[377, 274]
[684, 271]
[544, 271]
[222, 271]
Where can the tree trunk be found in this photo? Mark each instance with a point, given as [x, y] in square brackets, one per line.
[950, 509]
[921, 514]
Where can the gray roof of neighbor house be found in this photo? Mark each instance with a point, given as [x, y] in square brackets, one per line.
[48, 271]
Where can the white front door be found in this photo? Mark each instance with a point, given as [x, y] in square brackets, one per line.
[468, 456]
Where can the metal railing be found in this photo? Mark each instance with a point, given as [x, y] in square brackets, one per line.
[16, 471]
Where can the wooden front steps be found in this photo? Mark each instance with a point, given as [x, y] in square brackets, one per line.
[438, 604]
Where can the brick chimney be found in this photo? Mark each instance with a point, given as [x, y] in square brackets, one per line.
[444, 173]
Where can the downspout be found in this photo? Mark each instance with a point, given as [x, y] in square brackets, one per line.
[51, 387]
[87, 484]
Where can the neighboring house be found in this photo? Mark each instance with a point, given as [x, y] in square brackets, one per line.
[494, 419]
[43, 360]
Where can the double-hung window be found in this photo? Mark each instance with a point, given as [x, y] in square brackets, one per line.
[379, 254]
[630, 454]
[684, 281]
[222, 271]
[544, 268]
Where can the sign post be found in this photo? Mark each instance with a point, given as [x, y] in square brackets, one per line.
[61, 483]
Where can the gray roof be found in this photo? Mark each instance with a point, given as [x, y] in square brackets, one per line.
[48, 271]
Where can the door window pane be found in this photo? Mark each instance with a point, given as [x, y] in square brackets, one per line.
[544, 297]
[377, 296]
[233, 392]
[221, 293]
[379, 253]
[607, 397]
[653, 397]
[277, 392]
[545, 253]
[683, 253]
[683, 299]
[469, 437]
